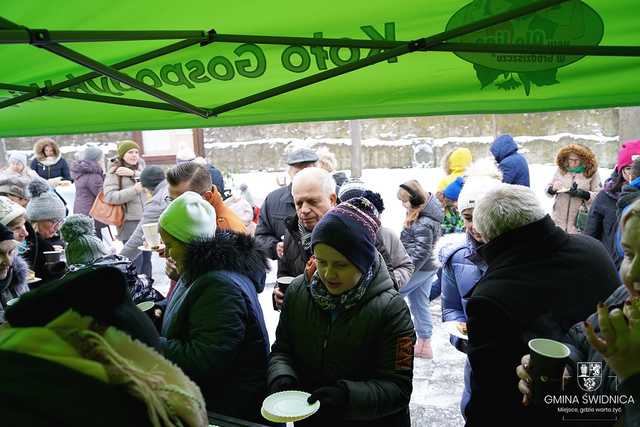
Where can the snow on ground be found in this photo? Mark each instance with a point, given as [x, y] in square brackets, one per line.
[437, 383]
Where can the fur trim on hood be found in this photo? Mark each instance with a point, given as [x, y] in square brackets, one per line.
[228, 251]
[485, 166]
[445, 244]
[588, 158]
[38, 149]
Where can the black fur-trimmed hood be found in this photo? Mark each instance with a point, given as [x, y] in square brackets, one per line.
[228, 251]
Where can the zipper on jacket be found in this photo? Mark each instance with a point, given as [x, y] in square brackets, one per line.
[325, 341]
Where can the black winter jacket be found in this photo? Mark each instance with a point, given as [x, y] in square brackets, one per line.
[295, 257]
[368, 349]
[602, 222]
[214, 327]
[540, 281]
[277, 207]
[421, 237]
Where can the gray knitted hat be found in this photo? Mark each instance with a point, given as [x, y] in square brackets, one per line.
[92, 153]
[44, 204]
[14, 186]
[83, 247]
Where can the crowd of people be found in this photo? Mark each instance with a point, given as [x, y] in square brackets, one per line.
[505, 270]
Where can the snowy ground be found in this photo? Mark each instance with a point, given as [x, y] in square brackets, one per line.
[437, 383]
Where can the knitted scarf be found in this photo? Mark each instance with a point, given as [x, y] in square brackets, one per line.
[578, 169]
[305, 237]
[346, 300]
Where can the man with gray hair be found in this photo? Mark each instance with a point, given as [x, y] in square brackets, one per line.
[539, 282]
[278, 206]
[314, 194]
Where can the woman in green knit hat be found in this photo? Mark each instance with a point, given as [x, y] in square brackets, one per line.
[122, 186]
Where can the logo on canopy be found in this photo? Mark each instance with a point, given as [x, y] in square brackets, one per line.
[572, 23]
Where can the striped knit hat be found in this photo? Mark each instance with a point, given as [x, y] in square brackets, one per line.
[350, 228]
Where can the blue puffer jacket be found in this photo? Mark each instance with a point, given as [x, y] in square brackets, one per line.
[514, 167]
[461, 269]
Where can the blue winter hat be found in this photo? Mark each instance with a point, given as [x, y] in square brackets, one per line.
[453, 190]
[350, 228]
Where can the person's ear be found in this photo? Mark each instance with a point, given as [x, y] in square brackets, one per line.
[333, 198]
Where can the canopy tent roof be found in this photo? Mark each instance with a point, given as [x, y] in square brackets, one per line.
[406, 59]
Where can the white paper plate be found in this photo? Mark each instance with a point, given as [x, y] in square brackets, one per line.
[451, 328]
[146, 305]
[288, 406]
[143, 248]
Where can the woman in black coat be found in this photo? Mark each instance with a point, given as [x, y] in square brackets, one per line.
[345, 335]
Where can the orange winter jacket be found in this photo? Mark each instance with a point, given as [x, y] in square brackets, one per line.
[226, 218]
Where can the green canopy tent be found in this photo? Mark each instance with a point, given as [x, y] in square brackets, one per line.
[97, 66]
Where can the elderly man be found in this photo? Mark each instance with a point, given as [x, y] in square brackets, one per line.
[539, 282]
[278, 206]
[314, 193]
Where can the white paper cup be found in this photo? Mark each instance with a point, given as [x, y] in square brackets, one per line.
[151, 234]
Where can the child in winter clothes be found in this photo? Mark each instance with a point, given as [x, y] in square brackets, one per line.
[452, 222]
[419, 235]
[454, 165]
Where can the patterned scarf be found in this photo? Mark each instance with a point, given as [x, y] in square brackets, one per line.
[305, 237]
[346, 300]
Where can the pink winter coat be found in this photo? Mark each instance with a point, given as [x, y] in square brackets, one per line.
[566, 207]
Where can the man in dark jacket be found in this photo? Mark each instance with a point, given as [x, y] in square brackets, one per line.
[514, 167]
[278, 206]
[540, 281]
[314, 194]
[213, 327]
[346, 337]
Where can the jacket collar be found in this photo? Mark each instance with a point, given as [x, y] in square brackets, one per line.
[537, 237]
[287, 197]
[227, 251]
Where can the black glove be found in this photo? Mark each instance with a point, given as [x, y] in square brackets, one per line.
[582, 194]
[551, 191]
[333, 399]
[282, 383]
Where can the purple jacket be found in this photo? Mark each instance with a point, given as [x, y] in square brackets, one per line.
[88, 177]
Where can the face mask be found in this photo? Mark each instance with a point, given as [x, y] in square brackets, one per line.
[22, 247]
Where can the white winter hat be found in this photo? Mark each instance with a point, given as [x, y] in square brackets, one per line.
[475, 188]
[9, 210]
[189, 217]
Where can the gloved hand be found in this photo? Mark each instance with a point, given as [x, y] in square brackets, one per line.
[551, 191]
[282, 383]
[576, 192]
[333, 399]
